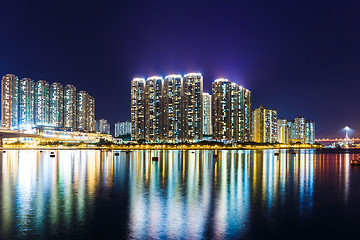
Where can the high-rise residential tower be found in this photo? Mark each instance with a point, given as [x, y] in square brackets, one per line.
[26, 103]
[167, 109]
[302, 131]
[91, 114]
[172, 107]
[235, 113]
[175, 108]
[309, 132]
[82, 104]
[85, 112]
[192, 103]
[9, 101]
[138, 108]
[81, 110]
[231, 106]
[283, 131]
[246, 112]
[122, 128]
[207, 128]
[70, 107]
[299, 127]
[154, 108]
[42, 97]
[102, 126]
[221, 106]
[56, 111]
[264, 125]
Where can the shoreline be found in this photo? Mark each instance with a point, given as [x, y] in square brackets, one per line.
[188, 148]
[166, 147]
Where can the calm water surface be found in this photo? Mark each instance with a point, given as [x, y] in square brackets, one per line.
[184, 195]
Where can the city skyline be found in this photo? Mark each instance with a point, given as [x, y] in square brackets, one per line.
[179, 119]
[175, 108]
[292, 54]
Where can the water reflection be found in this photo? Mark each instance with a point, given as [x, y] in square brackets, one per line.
[185, 194]
[56, 194]
[214, 196]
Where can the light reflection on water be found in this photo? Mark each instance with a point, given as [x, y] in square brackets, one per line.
[186, 194]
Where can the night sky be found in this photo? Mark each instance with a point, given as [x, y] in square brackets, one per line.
[299, 57]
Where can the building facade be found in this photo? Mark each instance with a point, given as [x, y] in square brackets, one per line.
[176, 109]
[264, 128]
[299, 129]
[302, 131]
[102, 126]
[172, 108]
[9, 101]
[122, 128]
[221, 109]
[231, 108]
[283, 131]
[154, 108]
[56, 112]
[192, 103]
[207, 128]
[42, 96]
[27, 105]
[309, 132]
[138, 109]
[85, 112]
[246, 111]
[70, 97]
[91, 114]
[168, 109]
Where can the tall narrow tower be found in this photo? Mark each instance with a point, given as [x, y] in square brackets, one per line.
[70, 107]
[207, 129]
[138, 109]
[26, 103]
[192, 106]
[9, 101]
[42, 103]
[56, 113]
[172, 97]
[154, 108]
[221, 109]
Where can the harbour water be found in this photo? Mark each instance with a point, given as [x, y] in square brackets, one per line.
[90, 194]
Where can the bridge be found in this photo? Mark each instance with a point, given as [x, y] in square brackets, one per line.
[320, 140]
[5, 134]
